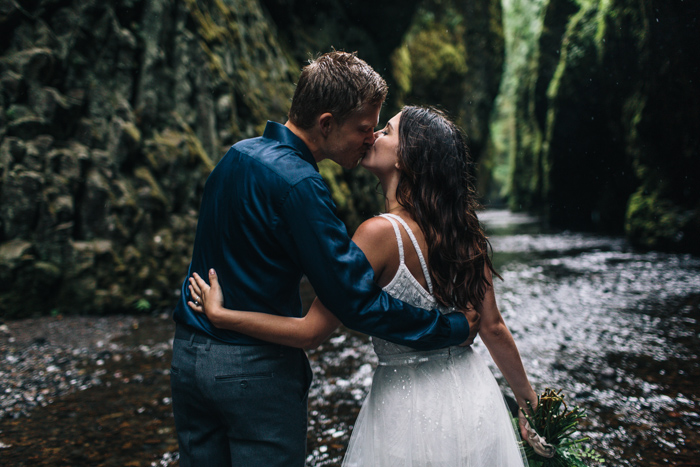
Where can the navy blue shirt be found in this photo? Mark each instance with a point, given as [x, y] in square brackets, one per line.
[267, 218]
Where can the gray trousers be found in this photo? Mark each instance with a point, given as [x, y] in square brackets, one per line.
[238, 405]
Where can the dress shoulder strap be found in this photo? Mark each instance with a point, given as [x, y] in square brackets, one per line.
[423, 264]
[397, 233]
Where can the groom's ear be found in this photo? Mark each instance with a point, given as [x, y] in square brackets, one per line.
[325, 123]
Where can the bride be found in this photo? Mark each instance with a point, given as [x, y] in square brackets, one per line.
[425, 408]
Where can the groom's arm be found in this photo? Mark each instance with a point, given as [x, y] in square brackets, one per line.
[343, 279]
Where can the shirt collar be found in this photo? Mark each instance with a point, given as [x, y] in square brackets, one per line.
[284, 135]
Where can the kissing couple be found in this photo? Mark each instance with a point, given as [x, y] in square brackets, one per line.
[417, 278]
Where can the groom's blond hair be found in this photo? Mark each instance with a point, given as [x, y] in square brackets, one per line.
[336, 82]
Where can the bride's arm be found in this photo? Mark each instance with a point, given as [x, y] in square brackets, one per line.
[307, 332]
[499, 341]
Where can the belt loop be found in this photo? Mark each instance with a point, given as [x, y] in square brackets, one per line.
[208, 347]
[191, 339]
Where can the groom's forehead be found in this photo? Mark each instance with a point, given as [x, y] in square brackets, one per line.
[368, 117]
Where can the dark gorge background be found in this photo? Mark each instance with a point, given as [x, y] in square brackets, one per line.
[112, 114]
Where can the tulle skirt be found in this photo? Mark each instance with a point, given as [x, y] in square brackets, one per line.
[447, 411]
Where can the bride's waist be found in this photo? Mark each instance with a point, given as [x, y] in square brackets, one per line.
[413, 357]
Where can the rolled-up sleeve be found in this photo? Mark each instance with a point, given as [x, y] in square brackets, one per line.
[343, 278]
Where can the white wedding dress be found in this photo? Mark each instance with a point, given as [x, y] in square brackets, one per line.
[440, 408]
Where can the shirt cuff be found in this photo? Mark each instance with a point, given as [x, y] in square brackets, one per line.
[459, 328]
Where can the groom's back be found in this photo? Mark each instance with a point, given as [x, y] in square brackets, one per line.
[241, 232]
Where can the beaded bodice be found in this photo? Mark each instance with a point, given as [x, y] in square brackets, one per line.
[406, 288]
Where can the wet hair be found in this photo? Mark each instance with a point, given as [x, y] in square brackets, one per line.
[336, 82]
[436, 187]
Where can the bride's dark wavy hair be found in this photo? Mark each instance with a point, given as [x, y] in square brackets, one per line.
[436, 187]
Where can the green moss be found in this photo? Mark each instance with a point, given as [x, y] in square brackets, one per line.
[164, 148]
[401, 69]
[215, 63]
[655, 222]
[156, 192]
[258, 72]
[332, 173]
[354, 192]
[429, 67]
[433, 56]
[206, 26]
[194, 145]
[133, 132]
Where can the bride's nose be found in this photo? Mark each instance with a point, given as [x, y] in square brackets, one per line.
[372, 139]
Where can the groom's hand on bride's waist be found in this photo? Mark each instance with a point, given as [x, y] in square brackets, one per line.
[474, 320]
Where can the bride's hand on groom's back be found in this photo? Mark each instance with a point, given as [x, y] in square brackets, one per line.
[474, 320]
[207, 298]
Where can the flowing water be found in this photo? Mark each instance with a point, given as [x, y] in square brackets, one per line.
[616, 329]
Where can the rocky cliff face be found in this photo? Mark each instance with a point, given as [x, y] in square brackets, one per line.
[112, 114]
[598, 119]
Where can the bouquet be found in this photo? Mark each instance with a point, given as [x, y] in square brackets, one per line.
[552, 430]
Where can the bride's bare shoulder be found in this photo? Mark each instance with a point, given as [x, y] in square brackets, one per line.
[377, 240]
[376, 231]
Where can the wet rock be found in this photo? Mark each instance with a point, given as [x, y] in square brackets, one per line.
[67, 163]
[20, 198]
[150, 194]
[12, 151]
[37, 152]
[11, 254]
[18, 112]
[27, 127]
[14, 88]
[34, 65]
[95, 204]
[123, 141]
[45, 101]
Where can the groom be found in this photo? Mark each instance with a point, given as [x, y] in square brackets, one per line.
[266, 219]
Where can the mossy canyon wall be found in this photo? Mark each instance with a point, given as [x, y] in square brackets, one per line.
[598, 117]
[113, 113]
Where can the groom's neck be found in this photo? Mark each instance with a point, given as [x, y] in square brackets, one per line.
[309, 138]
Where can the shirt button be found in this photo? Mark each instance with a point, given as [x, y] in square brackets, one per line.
[244, 384]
